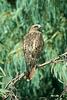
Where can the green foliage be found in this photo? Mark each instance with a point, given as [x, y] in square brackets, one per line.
[15, 21]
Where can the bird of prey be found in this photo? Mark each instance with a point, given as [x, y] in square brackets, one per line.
[32, 46]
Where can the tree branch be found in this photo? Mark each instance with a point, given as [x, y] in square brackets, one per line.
[60, 58]
[14, 80]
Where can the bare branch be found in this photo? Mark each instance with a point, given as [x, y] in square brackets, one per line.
[60, 58]
[14, 80]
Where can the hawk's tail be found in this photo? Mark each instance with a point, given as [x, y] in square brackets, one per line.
[31, 73]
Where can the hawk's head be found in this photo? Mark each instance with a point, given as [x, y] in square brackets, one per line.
[35, 27]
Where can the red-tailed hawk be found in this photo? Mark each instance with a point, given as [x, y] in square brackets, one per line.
[32, 47]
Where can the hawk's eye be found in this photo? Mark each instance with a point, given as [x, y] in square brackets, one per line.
[36, 26]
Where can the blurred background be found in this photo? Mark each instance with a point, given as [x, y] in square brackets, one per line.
[16, 17]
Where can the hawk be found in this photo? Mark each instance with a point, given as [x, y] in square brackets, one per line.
[32, 46]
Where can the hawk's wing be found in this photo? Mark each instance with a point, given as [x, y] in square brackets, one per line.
[32, 46]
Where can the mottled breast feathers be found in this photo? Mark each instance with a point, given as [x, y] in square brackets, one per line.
[32, 46]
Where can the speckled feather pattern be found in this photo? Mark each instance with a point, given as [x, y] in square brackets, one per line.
[32, 47]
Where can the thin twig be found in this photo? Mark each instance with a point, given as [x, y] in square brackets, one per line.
[14, 80]
[55, 60]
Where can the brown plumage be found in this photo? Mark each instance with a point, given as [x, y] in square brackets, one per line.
[32, 47]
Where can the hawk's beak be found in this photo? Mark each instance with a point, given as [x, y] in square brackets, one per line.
[39, 26]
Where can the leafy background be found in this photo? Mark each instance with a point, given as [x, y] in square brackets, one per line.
[16, 17]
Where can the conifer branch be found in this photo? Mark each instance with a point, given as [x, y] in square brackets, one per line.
[60, 58]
